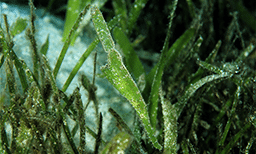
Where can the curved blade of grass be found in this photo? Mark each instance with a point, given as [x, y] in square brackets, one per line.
[172, 53]
[210, 67]
[193, 88]
[155, 76]
[80, 63]
[68, 40]
[131, 60]
[118, 75]
[155, 82]
[197, 76]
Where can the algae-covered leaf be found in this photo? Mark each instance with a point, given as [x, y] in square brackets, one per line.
[170, 125]
[102, 30]
[118, 144]
[192, 88]
[18, 26]
[118, 75]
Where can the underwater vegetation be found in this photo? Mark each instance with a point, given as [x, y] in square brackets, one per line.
[199, 97]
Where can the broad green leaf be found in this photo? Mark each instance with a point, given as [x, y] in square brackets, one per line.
[73, 10]
[18, 26]
[117, 74]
